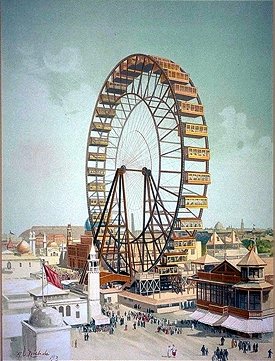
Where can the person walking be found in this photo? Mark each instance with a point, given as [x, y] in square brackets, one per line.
[269, 352]
[203, 350]
[174, 351]
[226, 354]
[169, 351]
[222, 340]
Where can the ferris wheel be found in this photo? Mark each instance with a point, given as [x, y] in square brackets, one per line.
[147, 162]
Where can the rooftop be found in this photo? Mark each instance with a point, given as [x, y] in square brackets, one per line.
[251, 259]
[206, 259]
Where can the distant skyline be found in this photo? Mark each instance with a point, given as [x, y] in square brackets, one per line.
[56, 56]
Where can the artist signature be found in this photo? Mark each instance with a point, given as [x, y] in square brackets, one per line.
[36, 353]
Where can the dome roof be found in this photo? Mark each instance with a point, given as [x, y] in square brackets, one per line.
[87, 225]
[45, 317]
[52, 244]
[218, 225]
[23, 247]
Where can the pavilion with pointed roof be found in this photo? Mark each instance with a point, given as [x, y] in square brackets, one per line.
[236, 297]
[229, 246]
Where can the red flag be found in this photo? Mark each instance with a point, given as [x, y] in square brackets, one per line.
[52, 277]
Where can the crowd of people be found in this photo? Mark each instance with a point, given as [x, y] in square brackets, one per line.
[139, 319]
[65, 274]
[223, 354]
[220, 354]
[171, 351]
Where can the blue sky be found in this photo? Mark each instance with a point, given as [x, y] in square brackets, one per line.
[56, 56]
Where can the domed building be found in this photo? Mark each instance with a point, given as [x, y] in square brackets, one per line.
[23, 247]
[218, 226]
[45, 317]
[45, 331]
[52, 244]
[53, 250]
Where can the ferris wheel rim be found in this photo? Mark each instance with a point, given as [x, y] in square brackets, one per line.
[177, 119]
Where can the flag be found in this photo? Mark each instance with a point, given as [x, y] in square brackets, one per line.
[52, 277]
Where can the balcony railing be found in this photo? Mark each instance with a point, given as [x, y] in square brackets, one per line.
[218, 277]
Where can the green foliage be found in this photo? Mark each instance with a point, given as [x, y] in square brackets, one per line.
[203, 248]
[203, 237]
[263, 245]
[246, 242]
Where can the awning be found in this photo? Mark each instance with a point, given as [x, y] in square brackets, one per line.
[199, 313]
[101, 320]
[254, 325]
[71, 321]
[211, 319]
[220, 321]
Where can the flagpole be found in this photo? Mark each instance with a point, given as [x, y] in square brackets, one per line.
[43, 300]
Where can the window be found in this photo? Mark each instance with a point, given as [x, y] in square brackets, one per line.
[219, 295]
[244, 272]
[207, 292]
[9, 265]
[193, 251]
[199, 291]
[254, 301]
[254, 272]
[213, 293]
[61, 310]
[77, 314]
[68, 311]
[242, 300]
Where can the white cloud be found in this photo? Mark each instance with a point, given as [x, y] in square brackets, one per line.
[67, 60]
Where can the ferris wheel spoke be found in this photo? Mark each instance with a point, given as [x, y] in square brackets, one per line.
[137, 114]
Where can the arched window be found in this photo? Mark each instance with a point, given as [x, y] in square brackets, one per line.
[61, 310]
[9, 265]
[68, 311]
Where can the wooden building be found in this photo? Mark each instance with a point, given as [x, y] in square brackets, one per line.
[237, 298]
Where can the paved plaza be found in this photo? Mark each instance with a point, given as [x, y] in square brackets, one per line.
[147, 344]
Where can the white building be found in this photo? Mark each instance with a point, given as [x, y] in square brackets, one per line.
[15, 295]
[72, 307]
[46, 335]
[19, 265]
[94, 306]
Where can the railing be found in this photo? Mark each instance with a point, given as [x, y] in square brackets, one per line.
[203, 304]
[218, 309]
[218, 277]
